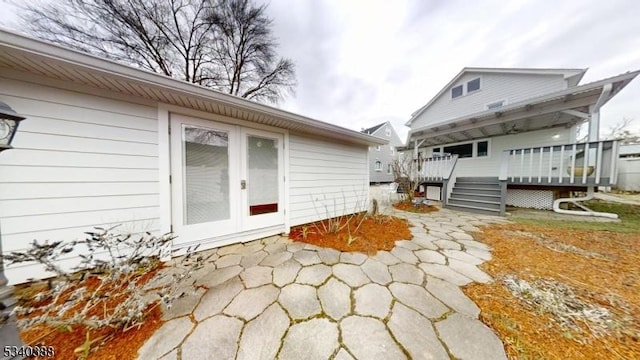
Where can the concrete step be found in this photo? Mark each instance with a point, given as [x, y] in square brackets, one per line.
[483, 204]
[473, 209]
[475, 190]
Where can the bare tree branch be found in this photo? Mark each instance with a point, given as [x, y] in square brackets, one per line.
[223, 44]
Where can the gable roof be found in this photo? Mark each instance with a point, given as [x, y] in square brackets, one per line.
[546, 108]
[573, 76]
[373, 129]
[25, 54]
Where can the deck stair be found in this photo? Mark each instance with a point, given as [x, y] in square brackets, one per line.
[476, 194]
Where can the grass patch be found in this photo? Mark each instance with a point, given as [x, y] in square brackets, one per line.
[629, 216]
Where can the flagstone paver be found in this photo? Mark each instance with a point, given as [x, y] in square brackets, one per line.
[446, 273]
[350, 274]
[262, 336]
[307, 257]
[452, 296]
[256, 276]
[217, 298]
[286, 273]
[300, 301]
[373, 300]
[468, 338]
[251, 302]
[314, 275]
[417, 298]
[335, 297]
[166, 338]
[415, 333]
[224, 329]
[367, 338]
[406, 273]
[274, 298]
[329, 256]
[352, 258]
[313, 339]
[431, 256]
[377, 271]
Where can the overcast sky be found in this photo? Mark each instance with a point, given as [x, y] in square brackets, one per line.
[363, 62]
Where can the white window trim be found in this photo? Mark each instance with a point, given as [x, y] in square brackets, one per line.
[376, 167]
[504, 103]
[389, 169]
[387, 132]
[474, 153]
[377, 147]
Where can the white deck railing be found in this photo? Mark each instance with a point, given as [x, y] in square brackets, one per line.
[436, 169]
[591, 163]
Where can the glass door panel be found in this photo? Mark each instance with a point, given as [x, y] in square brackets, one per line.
[206, 175]
[263, 179]
[262, 175]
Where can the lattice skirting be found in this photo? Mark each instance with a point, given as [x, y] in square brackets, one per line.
[532, 199]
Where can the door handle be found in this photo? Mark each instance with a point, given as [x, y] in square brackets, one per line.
[243, 184]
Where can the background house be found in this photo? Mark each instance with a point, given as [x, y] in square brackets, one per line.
[381, 157]
[629, 167]
[106, 144]
[511, 137]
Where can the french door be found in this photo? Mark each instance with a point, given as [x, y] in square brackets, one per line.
[226, 179]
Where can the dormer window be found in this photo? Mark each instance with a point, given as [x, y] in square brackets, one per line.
[456, 91]
[473, 85]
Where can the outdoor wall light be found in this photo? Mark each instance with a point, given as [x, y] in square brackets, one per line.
[9, 121]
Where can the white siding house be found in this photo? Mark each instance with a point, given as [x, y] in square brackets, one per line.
[105, 144]
[496, 137]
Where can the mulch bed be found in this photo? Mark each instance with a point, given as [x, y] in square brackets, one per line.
[602, 268]
[410, 207]
[114, 345]
[379, 232]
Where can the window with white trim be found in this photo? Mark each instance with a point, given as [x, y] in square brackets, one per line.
[378, 148]
[393, 150]
[388, 168]
[387, 132]
[378, 165]
[473, 85]
[457, 91]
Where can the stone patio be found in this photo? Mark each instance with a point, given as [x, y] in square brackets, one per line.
[273, 298]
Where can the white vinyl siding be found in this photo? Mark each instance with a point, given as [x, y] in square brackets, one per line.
[511, 87]
[324, 173]
[79, 161]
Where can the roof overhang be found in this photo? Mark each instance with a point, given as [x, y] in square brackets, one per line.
[559, 109]
[25, 54]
